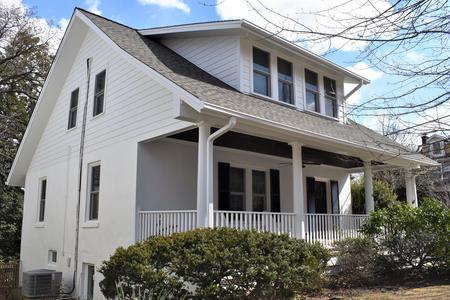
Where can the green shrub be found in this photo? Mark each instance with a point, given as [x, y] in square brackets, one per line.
[411, 237]
[383, 195]
[218, 263]
[355, 258]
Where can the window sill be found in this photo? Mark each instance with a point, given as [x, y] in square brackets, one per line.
[264, 97]
[98, 116]
[91, 224]
[39, 225]
[71, 129]
[312, 112]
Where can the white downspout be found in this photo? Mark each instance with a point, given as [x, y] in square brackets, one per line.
[209, 168]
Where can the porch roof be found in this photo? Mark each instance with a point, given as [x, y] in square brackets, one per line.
[215, 94]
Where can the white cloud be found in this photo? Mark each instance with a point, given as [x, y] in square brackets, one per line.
[93, 6]
[42, 27]
[63, 23]
[289, 13]
[365, 70]
[178, 4]
[414, 57]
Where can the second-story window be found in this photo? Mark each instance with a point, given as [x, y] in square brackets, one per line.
[438, 149]
[329, 86]
[73, 109]
[42, 198]
[285, 81]
[312, 91]
[261, 72]
[94, 192]
[99, 96]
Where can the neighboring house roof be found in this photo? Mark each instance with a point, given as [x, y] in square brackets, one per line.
[215, 92]
[200, 88]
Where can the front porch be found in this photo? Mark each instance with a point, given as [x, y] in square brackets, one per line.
[245, 181]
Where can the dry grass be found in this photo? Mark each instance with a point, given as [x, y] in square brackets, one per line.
[438, 291]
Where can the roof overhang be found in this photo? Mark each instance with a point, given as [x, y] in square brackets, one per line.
[217, 116]
[245, 27]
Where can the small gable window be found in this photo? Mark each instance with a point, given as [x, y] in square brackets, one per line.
[330, 97]
[312, 91]
[73, 109]
[99, 96]
[261, 72]
[285, 81]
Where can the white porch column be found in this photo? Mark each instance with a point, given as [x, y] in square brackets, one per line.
[411, 189]
[297, 193]
[202, 199]
[368, 187]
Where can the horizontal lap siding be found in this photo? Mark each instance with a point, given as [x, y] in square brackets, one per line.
[218, 56]
[135, 106]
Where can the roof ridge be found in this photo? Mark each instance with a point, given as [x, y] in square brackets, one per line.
[84, 11]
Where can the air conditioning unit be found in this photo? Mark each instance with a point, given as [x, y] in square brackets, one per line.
[41, 283]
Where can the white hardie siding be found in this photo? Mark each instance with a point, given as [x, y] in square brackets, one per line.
[218, 56]
[136, 108]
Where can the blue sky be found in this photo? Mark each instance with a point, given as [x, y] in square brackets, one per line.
[152, 13]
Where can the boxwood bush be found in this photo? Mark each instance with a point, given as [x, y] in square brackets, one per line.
[409, 237]
[217, 263]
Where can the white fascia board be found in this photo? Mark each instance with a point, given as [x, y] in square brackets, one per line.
[36, 125]
[207, 26]
[187, 97]
[313, 135]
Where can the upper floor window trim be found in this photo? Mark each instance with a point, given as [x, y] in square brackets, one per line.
[285, 81]
[312, 99]
[261, 72]
[331, 104]
[99, 94]
[72, 121]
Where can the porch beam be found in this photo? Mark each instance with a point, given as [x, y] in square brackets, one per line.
[368, 187]
[297, 185]
[204, 130]
[411, 189]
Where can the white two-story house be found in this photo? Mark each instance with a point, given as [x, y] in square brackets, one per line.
[149, 132]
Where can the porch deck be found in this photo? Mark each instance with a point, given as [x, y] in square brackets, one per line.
[323, 228]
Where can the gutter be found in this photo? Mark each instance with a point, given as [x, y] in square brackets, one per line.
[354, 90]
[209, 168]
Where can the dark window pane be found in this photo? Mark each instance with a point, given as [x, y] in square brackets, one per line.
[334, 185]
[93, 207]
[43, 189]
[284, 69]
[95, 183]
[331, 107]
[237, 180]
[41, 211]
[285, 92]
[329, 87]
[261, 83]
[312, 101]
[261, 60]
[311, 80]
[90, 282]
[73, 109]
[261, 72]
[259, 190]
[99, 92]
[275, 190]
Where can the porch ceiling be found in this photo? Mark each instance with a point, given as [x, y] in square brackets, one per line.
[241, 141]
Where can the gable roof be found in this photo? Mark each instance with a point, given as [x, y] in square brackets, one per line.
[217, 94]
[200, 89]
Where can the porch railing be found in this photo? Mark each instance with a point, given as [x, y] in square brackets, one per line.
[165, 222]
[323, 228]
[329, 228]
[259, 221]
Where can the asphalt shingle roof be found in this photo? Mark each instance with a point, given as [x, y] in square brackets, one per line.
[211, 90]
